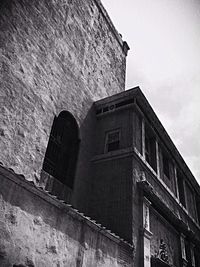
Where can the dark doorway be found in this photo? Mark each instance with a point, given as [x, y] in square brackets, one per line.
[62, 150]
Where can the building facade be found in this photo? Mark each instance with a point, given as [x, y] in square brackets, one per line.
[142, 188]
[89, 176]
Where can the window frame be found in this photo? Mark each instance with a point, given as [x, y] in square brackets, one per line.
[150, 150]
[168, 163]
[118, 130]
[61, 155]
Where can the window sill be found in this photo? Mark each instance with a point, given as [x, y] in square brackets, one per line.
[120, 153]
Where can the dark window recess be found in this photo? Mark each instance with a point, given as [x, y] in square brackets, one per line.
[197, 256]
[150, 148]
[112, 141]
[188, 253]
[138, 132]
[124, 103]
[98, 111]
[181, 188]
[62, 150]
[198, 209]
[105, 109]
[190, 197]
[166, 164]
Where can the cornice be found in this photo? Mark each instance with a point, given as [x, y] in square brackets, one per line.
[109, 104]
[118, 36]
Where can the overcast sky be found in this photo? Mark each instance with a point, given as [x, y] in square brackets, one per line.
[164, 60]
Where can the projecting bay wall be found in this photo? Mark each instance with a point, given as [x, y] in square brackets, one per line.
[39, 230]
[54, 55]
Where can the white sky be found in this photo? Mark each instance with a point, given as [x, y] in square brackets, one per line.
[164, 60]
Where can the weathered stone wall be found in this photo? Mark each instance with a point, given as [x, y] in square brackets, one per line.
[54, 55]
[162, 230]
[39, 230]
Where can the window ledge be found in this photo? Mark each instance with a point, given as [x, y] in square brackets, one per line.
[120, 153]
[156, 176]
[130, 151]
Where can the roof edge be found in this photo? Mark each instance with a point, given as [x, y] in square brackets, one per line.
[148, 111]
[125, 47]
[30, 186]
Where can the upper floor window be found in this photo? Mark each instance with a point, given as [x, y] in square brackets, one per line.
[167, 169]
[190, 197]
[112, 141]
[181, 188]
[197, 256]
[188, 253]
[62, 150]
[150, 147]
[166, 164]
[137, 129]
[198, 208]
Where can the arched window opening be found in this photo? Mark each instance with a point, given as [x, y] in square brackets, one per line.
[62, 150]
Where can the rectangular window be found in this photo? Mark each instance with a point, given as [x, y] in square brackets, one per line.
[112, 141]
[197, 256]
[167, 169]
[188, 253]
[137, 131]
[190, 203]
[150, 148]
[181, 188]
[198, 208]
[166, 164]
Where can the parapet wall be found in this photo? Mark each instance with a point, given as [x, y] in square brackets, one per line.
[54, 55]
[39, 230]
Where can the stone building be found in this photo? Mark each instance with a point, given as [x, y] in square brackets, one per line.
[89, 176]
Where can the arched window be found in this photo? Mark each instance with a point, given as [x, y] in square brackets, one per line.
[62, 150]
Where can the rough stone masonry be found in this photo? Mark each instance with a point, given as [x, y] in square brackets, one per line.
[54, 56]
